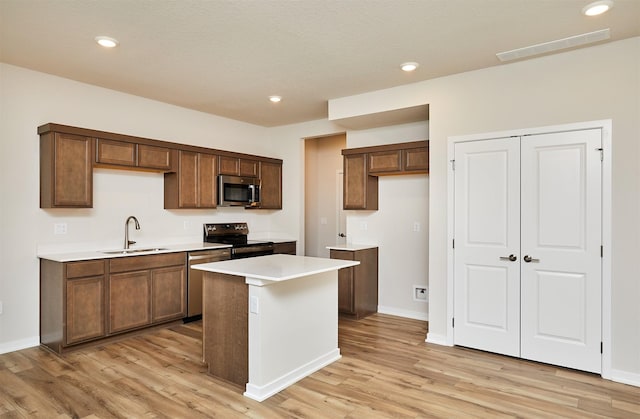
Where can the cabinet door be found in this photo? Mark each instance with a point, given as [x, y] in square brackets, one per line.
[153, 157]
[168, 293]
[85, 317]
[207, 181]
[248, 167]
[360, 189]
[115, 152]
[229, 165]
[66, 171]
[188, 180]
[129, 300]
[385, 161]
[416, 159]
[271, 185]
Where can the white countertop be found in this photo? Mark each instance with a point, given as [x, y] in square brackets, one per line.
[351, 246]
[276, 267]
[100, 254]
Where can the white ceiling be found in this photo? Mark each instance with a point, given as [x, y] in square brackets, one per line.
[225, 57]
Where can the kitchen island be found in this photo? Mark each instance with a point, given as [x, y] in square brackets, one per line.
[270, 321]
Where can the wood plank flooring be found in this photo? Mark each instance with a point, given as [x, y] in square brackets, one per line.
[386, 370]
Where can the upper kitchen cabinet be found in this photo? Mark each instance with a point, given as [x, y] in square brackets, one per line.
[236, 166]
[66, 171]
[360, 189]
[363, 165]
[193, 184]
[132, 155]
[270, 185]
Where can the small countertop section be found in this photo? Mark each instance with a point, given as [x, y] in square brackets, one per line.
[102, 254]
[351, 247]
[276, 267]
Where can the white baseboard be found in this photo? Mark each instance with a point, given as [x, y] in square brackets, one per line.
[261, 393]
[17, 345]
[409, 314]
[633, 379]
[437, 339]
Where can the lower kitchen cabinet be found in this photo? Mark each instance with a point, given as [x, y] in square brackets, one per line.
[358, 285]
[289, 248]
[86, 301]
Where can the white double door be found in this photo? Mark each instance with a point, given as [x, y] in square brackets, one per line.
[527, 253]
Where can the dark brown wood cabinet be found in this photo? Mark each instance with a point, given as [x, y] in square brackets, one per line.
[360, 189]
[110, 153]
[66, 171]
[270, 185]
[363, 166]
[129, 301]
[72, 303]
[69, 154]
[382, 162]
[358, 285]
[289, 248]
[146, 290]
[194, 183]
[83, 302]
[236, 166]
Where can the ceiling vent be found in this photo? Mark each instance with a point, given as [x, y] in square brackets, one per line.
[546, 47]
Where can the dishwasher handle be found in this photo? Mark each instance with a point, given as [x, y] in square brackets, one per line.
[208, 258]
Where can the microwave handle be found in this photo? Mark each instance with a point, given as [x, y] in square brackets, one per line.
[253, 193]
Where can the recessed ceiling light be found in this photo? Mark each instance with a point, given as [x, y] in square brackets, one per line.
[597, 7]
[410, 66]
[107, 42]
[275, 99]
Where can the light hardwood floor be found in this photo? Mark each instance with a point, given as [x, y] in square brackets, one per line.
[387, 370]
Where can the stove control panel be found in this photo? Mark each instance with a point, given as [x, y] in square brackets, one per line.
[221, 229]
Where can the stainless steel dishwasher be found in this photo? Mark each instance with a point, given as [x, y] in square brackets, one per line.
[194, 279]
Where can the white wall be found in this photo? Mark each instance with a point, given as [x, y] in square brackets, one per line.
[403, 201]
[29, 99]
[595, 83]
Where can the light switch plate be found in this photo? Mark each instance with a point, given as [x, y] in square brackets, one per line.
[253, 305]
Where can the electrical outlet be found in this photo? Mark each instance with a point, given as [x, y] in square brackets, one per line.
[420, 293]
[0, 307]
[416, 226]
[186, 225]
[60, 228]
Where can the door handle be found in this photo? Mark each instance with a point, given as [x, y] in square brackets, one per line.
[528, 259]
[342, 235]
[510, 258]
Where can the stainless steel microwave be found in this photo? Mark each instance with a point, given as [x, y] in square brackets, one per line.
[238, 191]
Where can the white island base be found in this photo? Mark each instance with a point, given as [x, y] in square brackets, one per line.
[270, 321]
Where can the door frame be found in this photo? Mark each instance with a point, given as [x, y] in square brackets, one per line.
[605, 125]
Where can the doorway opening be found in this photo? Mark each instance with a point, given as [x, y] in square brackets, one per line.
[324, 219]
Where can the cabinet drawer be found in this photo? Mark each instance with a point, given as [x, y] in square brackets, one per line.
[154, 157]
[115, 152]
[138, 263]
[84, 269]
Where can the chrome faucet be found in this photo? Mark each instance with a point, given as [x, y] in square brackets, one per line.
[128, 242]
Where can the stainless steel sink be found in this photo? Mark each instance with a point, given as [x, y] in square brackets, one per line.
[127, 251]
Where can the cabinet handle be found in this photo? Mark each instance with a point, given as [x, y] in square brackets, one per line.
[528, 259]
[510, 258]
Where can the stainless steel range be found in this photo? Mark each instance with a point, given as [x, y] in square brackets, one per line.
[236, 234]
